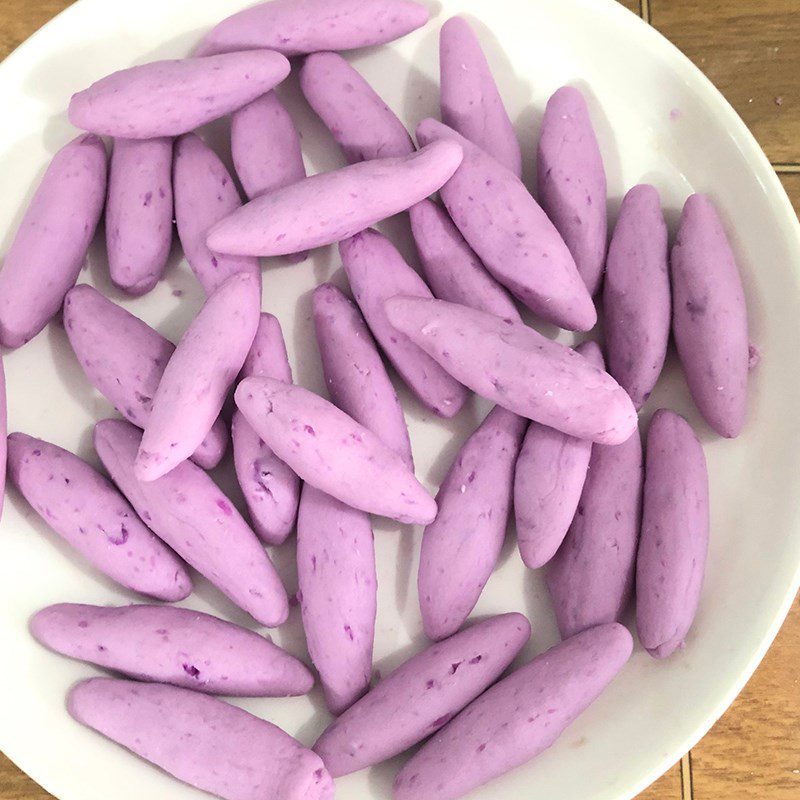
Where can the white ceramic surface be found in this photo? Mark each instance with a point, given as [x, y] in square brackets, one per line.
[659, 120]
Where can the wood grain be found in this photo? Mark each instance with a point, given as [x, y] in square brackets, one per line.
[751, 50]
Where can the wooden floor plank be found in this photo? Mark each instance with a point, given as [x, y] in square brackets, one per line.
[20, 18]
[750, 50]
[16, 785]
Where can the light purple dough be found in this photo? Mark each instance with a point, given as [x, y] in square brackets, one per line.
[451, 267]
[460, 548]
[332, 451]
[338, 588]
[139, 213]
[270, 488]
[354, 373]
[201, 740]
[590, 578]
[168, 98]
[675, 528]
[188, 511]
[332, 206]
[636, 294]
[295, 27]
[376, 272]
[205, 194]
[124, 359]
[471, 103]
[50, 245]
[358, 119]
[85, 510]
[572, 182]
[709, 317]
[549, 478]
[517, 718]
[422, 694]
[3, 434]
[198, 375]
[512, 235]
[172, 645]
[518, 368]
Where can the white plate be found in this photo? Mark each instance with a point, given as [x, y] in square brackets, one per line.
[658, 120]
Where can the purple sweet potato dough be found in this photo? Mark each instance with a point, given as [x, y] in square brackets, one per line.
[511, 234]
[354, 373]
[230, 753]
[85, 510]
[517, 718]
[3, 434]
[295, 27]
[516, 367]
[358, 119]
[451, 267]
[709, 317]
[139, 213]
[168, 98]
[198, 375]
[333, 452]
[188, 511]
[332, 206]
[376, 271]
[50, 245]
[205, 194]
[636, 294]
[675, 527]
[422, 694]
[270, 488]
[172, 645]
[124, 359]
[572, 182]
[470, 101]
[338, 587]
[590, 578]
[549, 478]
[460, 548]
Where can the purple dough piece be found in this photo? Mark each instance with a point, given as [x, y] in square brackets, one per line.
[590, 578]
[85, 510]
[338, 587]
[471, 103]
[517, 368]
[512, 235]
[517, 718]
[197, 377]
[172, 645]
[205, 194]
[50, 245]
[168, 98]
[187, 510]
[3, 434]
[139, 213]
[709, 317]
[295, 27]
[675, 527]
[124, 359]
[332, 451]
[636, 294]
[376, 272]
[422, 694]
[572, 182]
[332, 206]
[270, 488]
[451, 267]
[201, 740]
[354, 373]
[460, 548]
[358, 119]
[548, 482]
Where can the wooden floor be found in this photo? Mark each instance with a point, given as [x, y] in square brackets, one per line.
[751, 50]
